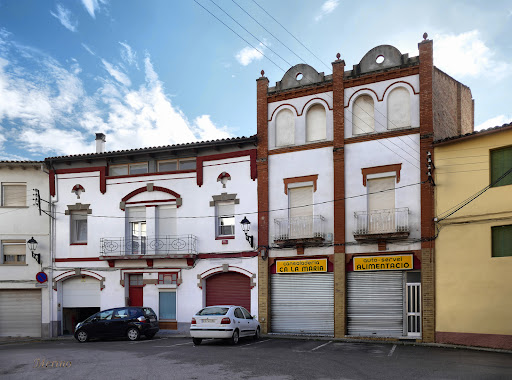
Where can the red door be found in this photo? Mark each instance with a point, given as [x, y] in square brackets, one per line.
[228, 289]
[135, 290]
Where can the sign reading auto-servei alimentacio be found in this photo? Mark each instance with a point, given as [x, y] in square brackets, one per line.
[301, 266]
[399, 262]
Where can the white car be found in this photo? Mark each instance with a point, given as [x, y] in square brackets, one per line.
[223, 322]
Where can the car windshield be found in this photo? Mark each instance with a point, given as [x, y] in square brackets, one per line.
[214, 311]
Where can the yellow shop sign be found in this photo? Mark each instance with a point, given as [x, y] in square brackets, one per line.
[301, 266]
[364, 263]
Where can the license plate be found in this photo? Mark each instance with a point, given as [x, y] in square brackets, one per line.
[152, 319]
[207, 320]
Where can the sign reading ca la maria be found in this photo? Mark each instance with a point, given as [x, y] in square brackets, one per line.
[301, 266]
[399, 262]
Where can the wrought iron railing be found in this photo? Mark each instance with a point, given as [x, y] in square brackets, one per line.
[382, 221]
[300, 227]
[151, 245]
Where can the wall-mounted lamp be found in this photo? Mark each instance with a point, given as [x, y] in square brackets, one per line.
[32, 245]
[246, 226]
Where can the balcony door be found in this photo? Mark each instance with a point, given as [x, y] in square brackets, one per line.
[301, 212]
[138, 237]
[136, 230]
[381, 205]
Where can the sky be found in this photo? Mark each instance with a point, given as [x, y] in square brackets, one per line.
[159, 72]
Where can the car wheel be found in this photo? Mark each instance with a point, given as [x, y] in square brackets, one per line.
[197, 341]
[133, 333]
[235, 337]
[257, 334]
[150, 336]
[82, 336]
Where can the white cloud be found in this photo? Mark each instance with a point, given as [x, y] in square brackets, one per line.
[89, 50]
[45, 110]
[118, 75]
[494, 122]
[328, 7]
[92, 6]
[466, 54]
[128, 55]
[249, 54]
[64, 16]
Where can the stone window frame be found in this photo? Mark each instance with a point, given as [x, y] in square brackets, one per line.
[223, 197]
[80, 207]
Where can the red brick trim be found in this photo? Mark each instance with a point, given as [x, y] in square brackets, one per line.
[384, 93]
[226, 255]
[200, 160]
[379, 77]
[76, 259]
[154, 201]
[500, 341]
[298, 93]
[307, 178]
[318, 145]
[309, 101]
[400, 81]
[383, 135]
[101, 169]
[362, 89]
[224, 237]
[144, 189]
[382, 169]
[77, 243]
[282, 105]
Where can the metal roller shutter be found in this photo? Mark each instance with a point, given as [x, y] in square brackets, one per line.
[375, 303]
[229, 289]
[20, 313]
[81, 292]
[303, 303]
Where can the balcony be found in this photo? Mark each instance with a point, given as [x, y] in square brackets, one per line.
[390, 224]
[301, 230]
[149, 247]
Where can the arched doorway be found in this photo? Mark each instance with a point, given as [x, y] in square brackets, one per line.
[229, 288]
[80, 299]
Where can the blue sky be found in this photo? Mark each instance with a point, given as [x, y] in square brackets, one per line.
[158, 72]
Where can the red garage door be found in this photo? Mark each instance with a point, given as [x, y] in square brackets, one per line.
[228, 289]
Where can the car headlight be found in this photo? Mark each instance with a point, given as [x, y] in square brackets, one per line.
[78, 325]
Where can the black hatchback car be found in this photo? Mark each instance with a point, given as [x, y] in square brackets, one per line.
[130, 322]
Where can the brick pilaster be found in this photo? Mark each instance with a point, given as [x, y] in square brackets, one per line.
[338, 68]
[263, 206]
[427, 190]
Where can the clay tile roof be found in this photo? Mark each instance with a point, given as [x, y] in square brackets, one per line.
[475, 133]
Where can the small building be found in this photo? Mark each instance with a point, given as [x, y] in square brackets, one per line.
[473, 179]
[24, 220]
[157, 227]
[345, 196]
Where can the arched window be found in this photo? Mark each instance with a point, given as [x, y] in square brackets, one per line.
[399, 108]
[363, 119]
[285, 128]
[316, 123]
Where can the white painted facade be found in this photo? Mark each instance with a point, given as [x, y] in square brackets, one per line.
[18, 224]
[192, 213]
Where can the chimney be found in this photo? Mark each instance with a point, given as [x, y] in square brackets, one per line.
[100, 142]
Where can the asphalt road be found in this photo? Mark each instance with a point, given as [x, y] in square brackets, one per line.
[177, 358]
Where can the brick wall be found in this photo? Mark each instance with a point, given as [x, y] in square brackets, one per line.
[467, 111]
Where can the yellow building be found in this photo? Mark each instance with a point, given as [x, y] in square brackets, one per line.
[474, 242]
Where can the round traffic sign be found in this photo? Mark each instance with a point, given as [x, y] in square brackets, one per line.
[41, 277]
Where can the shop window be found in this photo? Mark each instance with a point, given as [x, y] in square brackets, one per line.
[225, 218]
[285, 128]
[128, 169]
[14, 252]
[167, 305]
[501, 162]
[174, 165]
[501, 241]
[316, 124]
[14, 194]
[399, 108]
[168, 278]
[363, 119]
[78, 227]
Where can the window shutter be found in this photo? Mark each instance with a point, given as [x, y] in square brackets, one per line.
[225, 208]
[501, 162]
[166, 222]
[381, 193]
[14, 195]
[136, 214]
[502, 241]
[301, 196]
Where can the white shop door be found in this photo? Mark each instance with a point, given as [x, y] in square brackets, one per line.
[375, 303]
[20, 313]
[81, 292]
[302, 303]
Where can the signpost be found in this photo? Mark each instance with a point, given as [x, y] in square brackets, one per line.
[41, 277]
